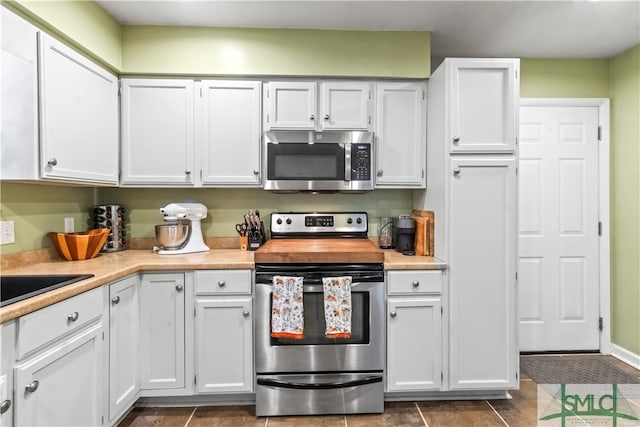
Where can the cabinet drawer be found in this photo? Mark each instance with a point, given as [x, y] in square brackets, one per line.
[414, 282]
[216, 282]
[43, 326]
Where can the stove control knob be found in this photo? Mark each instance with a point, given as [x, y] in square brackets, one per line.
[288, 221]
[279, 221]
[349, 221]
[359, 221]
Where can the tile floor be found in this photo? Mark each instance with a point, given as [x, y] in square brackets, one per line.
[520, 411]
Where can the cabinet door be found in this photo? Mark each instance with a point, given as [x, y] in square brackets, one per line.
[346, 105]
[62, 386]
[224, 345]
[291, 105]
[124, 382]
[7, 358]
[162, 343]
[401, 135]
[414, 344]
[157, 131]
[482, 266]
[483, 111]
[230, 132]
[19, 96]
[78, 116]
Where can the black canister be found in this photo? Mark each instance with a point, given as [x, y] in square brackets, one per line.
[404, 232]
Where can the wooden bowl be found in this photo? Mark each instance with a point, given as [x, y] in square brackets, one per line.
[81, 245]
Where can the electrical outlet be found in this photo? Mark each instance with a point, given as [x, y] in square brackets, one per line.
[69, 225]
[7, 233]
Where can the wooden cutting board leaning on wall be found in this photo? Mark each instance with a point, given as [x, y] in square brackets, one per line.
[424, 231]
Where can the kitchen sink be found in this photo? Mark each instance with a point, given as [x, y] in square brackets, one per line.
[18, 288]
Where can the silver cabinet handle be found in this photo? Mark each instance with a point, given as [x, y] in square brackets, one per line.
[52, 161]
[222, 283]
[415, 283]
[187, 172]
[313, 117]
[115, 300]
[245, 313]
[326, 117]
[73, 316]
[33, 386]
[456, 171]
[4, 406]
[379, 172]
[456, 139]
[393, 314]
[179, 288]
[255, 172]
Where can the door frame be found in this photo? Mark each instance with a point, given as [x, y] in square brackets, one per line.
[604, 241]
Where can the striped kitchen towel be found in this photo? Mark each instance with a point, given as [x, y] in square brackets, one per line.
[337, 306]
[287, 314]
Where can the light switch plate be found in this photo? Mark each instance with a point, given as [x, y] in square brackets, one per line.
[7, 233]
[69, 225]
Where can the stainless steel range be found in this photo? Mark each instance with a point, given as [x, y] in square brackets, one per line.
[316, 374]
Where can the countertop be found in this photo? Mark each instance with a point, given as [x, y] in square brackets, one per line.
[109, 267]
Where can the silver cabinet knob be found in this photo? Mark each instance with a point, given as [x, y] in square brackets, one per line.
[256, 172]
[4, 406]
[456, 139]
[33, 386]
[115, 300]
[456, 171]
[222, 283]
[393, 314]
[415, 283]
[245, 313]
[326, 117]
[179, 288]
[73, 316]
[52, 161]
[313, 117]
[379, 172]
[187, 172]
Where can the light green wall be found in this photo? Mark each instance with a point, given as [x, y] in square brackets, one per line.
[625, 199]
[247, 51]
[564, 78]
[37, 209]
[83, 24]
[227, 206]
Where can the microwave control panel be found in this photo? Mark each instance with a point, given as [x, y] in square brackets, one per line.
[361, 162]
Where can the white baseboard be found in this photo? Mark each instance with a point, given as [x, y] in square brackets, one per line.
[625, 355]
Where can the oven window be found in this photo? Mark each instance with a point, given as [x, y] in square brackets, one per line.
[305, 162]
[314, 324]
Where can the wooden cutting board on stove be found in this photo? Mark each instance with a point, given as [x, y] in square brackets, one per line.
[319, 251]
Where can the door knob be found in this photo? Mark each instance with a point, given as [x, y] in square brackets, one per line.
[245, 313]
[393, 314]
[4, 406]
[179, 288]
[456, 139]
[222, 283]
[415, 283]
[313, 117]
[187, 172]
[456, 172]
[115, 300]
[256, 172]
[52, 161]
[73, 316]
[326, 117]
[31, 388]
[379, 172]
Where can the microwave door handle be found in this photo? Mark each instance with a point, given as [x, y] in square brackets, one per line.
[347, 162]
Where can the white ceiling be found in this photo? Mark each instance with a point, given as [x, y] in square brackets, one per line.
[526, 29]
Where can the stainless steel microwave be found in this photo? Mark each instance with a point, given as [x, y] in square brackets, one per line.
[311, 161]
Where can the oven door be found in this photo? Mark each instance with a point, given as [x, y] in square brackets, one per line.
[364, 351]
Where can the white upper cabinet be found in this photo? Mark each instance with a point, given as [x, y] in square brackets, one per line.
[78, 116]
[291, 105]
[483, 105]
[346, 105]
[157, 132]
[401, 135]
[330, 105]
[229, 132]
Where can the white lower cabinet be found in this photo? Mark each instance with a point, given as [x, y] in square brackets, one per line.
[414, 331]
[60, 380]
[162, 326]
[7, 353]
[224, 332]
[124, 377]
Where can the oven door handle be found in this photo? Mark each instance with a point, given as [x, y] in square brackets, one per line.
[275, 382]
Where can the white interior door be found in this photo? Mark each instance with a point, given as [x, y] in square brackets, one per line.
[558, 245]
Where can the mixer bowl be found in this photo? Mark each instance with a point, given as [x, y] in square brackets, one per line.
[173, 235]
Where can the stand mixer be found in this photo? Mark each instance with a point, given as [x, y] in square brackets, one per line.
[181, 213]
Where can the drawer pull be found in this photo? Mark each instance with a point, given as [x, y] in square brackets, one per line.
[222, 283]
[115, 300]
[393, 314]
[31, 388]
[245, 313]
[179, 288]
[73, 316]
[415, 283]
[4, 406]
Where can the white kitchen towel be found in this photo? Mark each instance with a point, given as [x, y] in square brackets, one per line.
[287, 314]
[337, 306]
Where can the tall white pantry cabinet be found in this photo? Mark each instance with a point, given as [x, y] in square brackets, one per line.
[472, 189]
